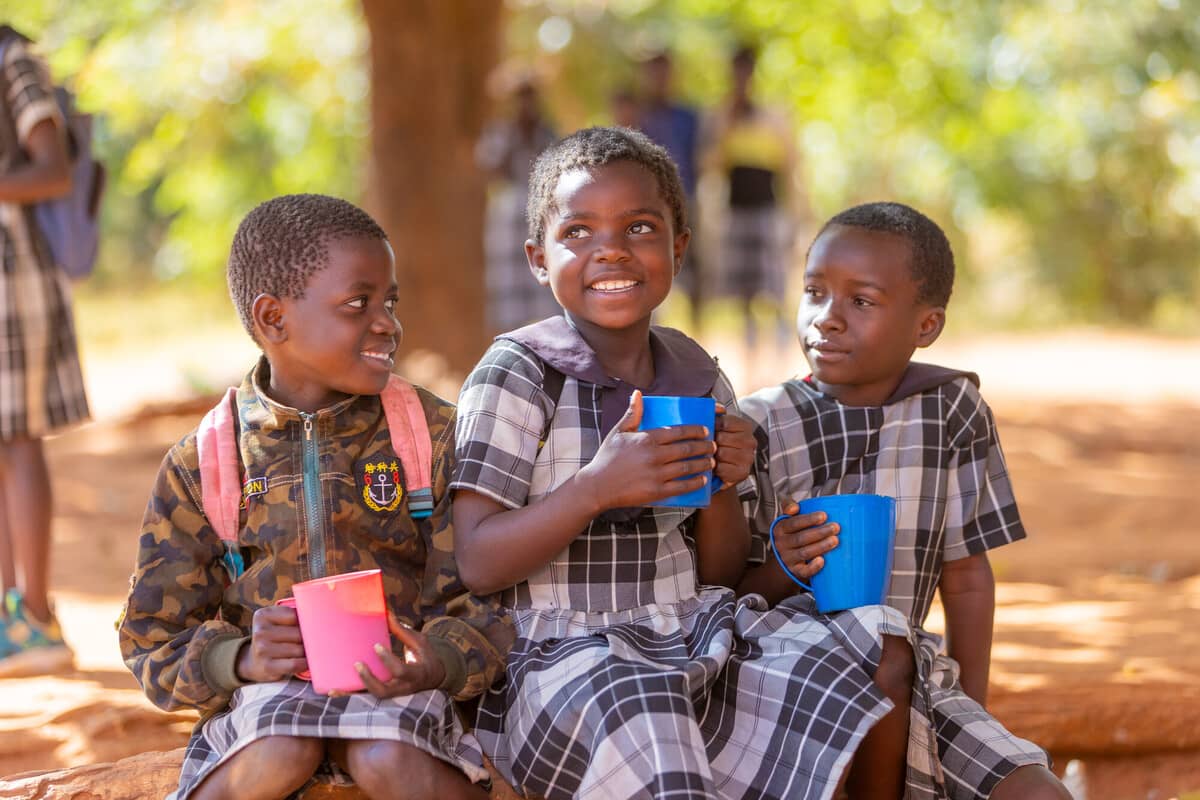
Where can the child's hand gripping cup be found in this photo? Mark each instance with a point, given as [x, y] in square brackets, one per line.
[856, 572]
[342, 617]
[664, 411]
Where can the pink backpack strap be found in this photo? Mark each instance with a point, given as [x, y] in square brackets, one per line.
[410, 439]
[220, 477]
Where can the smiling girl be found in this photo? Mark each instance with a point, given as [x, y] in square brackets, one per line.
[636, 672]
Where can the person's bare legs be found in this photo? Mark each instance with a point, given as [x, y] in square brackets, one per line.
[8, 565]
[387, 770]
[881, 761]
[269, 769]
[1033, 782]
[26, 498]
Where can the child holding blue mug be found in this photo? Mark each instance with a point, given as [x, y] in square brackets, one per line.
[636, 671]
[869, 420]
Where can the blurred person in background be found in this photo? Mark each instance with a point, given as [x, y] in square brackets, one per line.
[753, 151]
[676, 127]
[41, 384]
[506, 151]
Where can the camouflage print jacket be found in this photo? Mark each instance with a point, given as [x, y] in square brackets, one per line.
[184, 622]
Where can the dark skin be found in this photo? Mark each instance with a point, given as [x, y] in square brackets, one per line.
[860, 321]
[25, 496]
[336, 341]
[610, 257]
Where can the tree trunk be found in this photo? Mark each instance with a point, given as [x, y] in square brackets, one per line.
[429, 60]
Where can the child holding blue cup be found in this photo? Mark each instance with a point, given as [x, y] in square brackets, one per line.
[868, 421]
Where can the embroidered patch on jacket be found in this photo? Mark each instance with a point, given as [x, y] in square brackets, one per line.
[253, 487]
[381, 486]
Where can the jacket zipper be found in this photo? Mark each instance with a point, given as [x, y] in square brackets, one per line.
[315, 520]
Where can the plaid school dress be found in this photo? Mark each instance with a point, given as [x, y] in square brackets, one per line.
[933, 447]
[185, 619]
[41, 383]
[629, 679]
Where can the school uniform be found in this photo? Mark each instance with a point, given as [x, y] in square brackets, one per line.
[41, 383]
[933, 447]
[629, 678]
[514, 297]
[185, 618]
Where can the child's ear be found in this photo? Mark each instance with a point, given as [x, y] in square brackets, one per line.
[535, 254]
[267, 312]
[681, 244]
[930, 325]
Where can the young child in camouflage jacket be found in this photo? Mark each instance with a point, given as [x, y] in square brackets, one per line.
[313, 280]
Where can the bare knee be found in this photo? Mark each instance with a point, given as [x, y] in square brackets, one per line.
[272, 767]
[897, 669]
[378, 762]
[377, 765]
[1031, 782]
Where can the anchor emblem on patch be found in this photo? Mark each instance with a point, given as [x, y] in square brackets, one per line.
[381, 486]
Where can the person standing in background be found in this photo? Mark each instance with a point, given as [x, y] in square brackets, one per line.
[753, 150]
[676, 127]
[506, 151]
[41, 383]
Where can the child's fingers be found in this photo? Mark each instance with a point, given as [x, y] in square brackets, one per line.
[805, 570]
[679, 451]
[679, 433]
[672, 488]
[633, 415]
[798, 522]
[416, 644]
[673, 470]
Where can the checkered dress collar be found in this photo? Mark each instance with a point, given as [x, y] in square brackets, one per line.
[682, 367]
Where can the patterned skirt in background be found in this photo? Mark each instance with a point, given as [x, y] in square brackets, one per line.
[956, 749]
[755, 257]
[41, 383]
[708, 698]
[514, 297]
[425, 720]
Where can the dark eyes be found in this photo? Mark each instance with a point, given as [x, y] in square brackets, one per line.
[360, 303]
[818, 292]
[582, 232]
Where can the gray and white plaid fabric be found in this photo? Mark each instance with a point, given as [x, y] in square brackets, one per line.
[41, 383]
[425, 720]
[937, 453]
[754, 253]
[628, 679]
[514, 297]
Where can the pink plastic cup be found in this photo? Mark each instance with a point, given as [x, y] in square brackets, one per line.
[341, 619]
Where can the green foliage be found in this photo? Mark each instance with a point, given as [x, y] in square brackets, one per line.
[206, 109]
[1058, 140]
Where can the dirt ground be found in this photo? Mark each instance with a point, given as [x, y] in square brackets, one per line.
[1107, 587]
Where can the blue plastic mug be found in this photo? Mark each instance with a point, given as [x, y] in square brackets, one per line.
[664, 411]
[856, 572]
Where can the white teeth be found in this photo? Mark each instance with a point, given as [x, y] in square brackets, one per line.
[613, 286]
[378, 356]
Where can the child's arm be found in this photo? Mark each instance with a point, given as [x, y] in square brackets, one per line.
[464, 639]
[981, 513]
[969, 596]
[170, 635]
[802, 539]
[498, 547]
[722, 534]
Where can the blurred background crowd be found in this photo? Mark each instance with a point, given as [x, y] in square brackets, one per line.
[1058, 142]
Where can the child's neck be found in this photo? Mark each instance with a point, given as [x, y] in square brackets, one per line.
[625, 353]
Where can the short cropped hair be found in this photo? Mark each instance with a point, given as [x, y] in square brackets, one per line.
[932, 259]
[281, 243]
[596, 147]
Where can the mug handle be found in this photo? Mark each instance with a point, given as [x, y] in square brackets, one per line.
[778, 558]
[290, 602]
